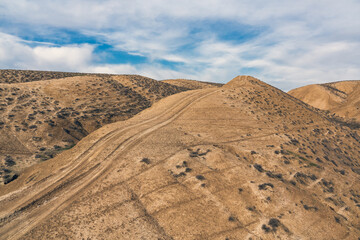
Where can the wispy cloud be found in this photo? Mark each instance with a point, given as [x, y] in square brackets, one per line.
[283, 42]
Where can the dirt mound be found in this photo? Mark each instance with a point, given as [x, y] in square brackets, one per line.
[246, 161]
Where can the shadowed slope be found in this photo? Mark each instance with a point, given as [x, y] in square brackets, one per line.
[245, 161]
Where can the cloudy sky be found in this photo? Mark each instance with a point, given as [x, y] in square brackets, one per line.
[285, 43]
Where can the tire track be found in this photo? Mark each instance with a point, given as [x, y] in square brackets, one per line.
[97, 147]
[34, 214]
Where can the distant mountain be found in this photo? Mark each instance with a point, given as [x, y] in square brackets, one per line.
[244, 161]
[340, 98]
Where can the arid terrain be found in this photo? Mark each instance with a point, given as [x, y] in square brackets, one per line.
[45, 113]
[340, 98]
[244, 161]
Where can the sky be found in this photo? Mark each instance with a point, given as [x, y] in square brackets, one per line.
[285, 43]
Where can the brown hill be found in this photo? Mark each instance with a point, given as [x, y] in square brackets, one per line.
[340, 98]
[19, 76]
[246, 161]
[39, 119]
[192, 84]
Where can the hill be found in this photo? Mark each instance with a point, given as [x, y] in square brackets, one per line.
[19, 76]
[245, 161]
[39, 119]
[340, 98]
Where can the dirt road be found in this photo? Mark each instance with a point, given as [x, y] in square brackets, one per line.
[23, 210]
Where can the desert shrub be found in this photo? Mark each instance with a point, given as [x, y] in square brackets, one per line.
[200, 177]
[265, 185]
[9, 161]
[258, 167]
[10, 178]
[265, 228]
[145, 160]
[251, 208]
[274, 223]
[306, 207]
[274, 175]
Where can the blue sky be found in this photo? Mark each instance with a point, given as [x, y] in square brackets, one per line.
[285, 43]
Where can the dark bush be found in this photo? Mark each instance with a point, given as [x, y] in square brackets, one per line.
[9, 161]
[264, 186]
[9, 178]
[274, 223]
[258, 167]
[274, 175]
[200, 177]
[265, 228]
[145, 160]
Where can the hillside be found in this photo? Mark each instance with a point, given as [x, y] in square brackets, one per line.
[40, 119]
[192, 84]
[245, 161]
[340, 98]
[19, 76]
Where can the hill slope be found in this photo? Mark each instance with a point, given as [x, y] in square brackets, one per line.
[39, 119]
[341, 98]
[19, 76]
[245, 161]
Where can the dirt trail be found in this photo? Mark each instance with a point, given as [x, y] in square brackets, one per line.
[59, 191]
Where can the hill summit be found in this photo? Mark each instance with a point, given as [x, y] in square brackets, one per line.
[242, 80]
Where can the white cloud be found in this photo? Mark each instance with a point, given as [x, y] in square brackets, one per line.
[302, 42]
[16, 53]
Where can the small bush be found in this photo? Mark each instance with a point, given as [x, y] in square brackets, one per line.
[200, 177]
[265, 228]
[145, 160]
[264, 186]
[188, 169]
[9, 161]
[258, 167]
